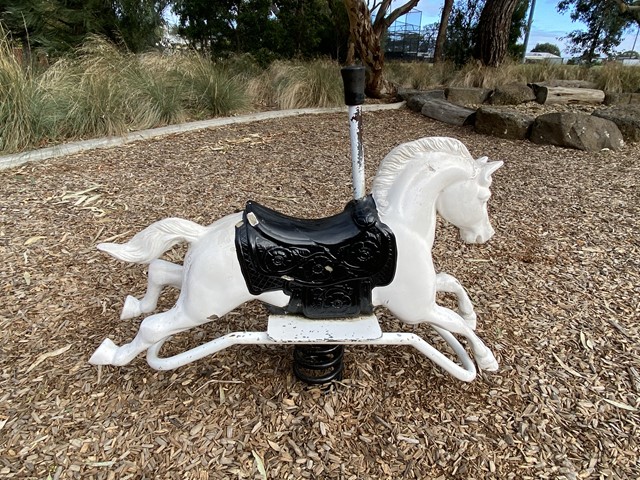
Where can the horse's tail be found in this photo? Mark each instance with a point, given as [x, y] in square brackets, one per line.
[154, 240]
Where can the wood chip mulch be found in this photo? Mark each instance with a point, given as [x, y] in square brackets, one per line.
[557, 292]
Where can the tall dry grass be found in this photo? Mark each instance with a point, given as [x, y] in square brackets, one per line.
[612, 77]
[473, 74]
[102, 90]
[296, 84]
[25, 110]
[420, 75]
[616, 78]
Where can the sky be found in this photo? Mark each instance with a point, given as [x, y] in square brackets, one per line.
[548, 25]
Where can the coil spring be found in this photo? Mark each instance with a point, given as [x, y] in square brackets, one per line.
[318, 364]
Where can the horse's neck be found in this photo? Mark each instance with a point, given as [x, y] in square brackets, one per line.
[412, 198]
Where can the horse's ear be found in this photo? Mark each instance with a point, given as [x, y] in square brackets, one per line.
[482, 161]
[488, 169]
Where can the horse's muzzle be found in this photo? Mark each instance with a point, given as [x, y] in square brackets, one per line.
[477, 236]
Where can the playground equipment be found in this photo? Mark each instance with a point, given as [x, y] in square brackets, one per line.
[323, 277]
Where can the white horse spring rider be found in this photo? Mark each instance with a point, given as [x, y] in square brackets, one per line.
[414, 181]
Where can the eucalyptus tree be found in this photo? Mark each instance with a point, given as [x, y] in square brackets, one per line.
[56, 26]
[605, 24]
[492, 40]
[547, 48]
[368, 24]
[461, 30]
[631, 9]
[438, 54]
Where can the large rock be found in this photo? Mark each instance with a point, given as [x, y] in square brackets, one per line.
[406, 93]
[512, 94]
[503, 123]
[467, 96]
[622, 98]
[576, 130]
[448, 112]
[626, 117]
[417, 100]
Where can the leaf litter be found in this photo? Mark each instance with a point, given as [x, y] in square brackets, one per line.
[557, 293]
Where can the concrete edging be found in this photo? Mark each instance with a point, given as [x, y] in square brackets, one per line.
[16, 159]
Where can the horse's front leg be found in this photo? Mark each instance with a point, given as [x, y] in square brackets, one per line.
[449, 320]
[161, 274]
[450, 284]
[413, 309]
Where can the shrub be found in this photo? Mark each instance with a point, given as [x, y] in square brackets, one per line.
[210, 88]
[295, 84]
[25, 111]
[615, 77]
[420, 75]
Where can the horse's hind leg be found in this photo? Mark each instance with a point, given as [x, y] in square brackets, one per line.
[450, 284]
[152, 330]
[161, 273]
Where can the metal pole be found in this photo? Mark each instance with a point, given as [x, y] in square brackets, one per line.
[526, 35]
[357, 151]
[353, 78]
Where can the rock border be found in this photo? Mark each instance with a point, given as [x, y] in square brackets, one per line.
[459, 106]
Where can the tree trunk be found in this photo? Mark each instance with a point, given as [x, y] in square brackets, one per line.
[493, 31]
[367, 45]
[548, 95]
[442, 31]
[633, 9]
[366, 38]
[594, 43]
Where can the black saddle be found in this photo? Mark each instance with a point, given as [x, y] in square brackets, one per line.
[328, 266]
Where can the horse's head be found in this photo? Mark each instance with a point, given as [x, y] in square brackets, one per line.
[464, 204]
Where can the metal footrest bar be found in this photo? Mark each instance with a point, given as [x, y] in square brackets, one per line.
[465, 372]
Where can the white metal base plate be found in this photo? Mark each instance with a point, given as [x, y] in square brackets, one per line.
[295, 329]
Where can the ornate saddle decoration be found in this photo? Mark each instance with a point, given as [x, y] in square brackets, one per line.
[328, 266]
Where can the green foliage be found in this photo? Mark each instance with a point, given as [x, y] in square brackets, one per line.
[58, 26]
[139, 22]
[518, 25]
[206, 25]
[605, 25]
[463, 22]
[547, 48]
[462, 30]
[268, 31]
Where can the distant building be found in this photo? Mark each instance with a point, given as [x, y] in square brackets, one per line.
[539, 57]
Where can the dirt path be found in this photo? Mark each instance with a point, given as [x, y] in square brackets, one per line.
[556, 290]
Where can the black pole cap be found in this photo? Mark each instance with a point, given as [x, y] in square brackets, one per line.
[353, 78]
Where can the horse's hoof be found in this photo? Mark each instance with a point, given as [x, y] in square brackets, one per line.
[471, 319]
[488, 363]
[131, 308]
[104, 354]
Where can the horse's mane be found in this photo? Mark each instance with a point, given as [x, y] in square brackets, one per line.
[399, 157]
